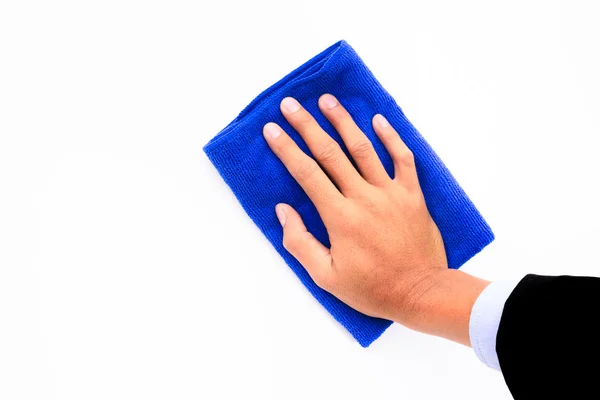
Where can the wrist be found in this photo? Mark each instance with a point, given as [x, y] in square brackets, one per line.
[441, 304]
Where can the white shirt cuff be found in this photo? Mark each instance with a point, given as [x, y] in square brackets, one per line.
[485, 320]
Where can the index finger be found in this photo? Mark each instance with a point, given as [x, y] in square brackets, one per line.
[304, 169]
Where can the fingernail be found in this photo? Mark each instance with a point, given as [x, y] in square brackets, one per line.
[290, 105]
[328, 101]
[280, 214]
[271, 130]
[381, 121]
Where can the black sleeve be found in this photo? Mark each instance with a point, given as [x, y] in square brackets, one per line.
[548, 342]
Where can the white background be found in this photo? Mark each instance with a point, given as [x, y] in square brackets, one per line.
[127, 268]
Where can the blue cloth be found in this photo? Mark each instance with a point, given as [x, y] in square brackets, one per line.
[260, 181]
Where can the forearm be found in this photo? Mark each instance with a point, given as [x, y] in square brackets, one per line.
[443, 305]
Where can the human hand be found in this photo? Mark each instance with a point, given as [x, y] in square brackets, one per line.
[387, 256]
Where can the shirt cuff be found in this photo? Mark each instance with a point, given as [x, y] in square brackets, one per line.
[485, 320]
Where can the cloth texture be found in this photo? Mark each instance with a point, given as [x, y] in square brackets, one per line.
[485, 319]
[260, 181]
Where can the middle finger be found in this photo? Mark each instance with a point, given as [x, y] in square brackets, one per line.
[326, 150]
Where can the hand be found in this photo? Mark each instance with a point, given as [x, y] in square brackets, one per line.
[387, 256]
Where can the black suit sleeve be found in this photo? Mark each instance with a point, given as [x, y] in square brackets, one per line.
[548, 341]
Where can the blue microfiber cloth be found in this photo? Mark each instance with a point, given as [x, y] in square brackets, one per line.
[260, 181]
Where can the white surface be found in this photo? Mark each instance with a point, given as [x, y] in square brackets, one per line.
[128, 269]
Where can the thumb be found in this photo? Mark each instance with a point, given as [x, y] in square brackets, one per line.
[313, 256]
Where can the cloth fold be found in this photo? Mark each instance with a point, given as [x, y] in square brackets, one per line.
[260, 181]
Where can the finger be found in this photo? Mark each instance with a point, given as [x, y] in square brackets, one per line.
[360, 147]
[313, 256]
[304, 169]
[326, 150]
[404, 160]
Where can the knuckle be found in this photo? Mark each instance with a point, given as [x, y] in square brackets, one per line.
[361, 149]
[323, 281]
[412, 201]
[329, 152]
[418, 201]
[407, 157]
[289, 243]
[353, 221]
[305, 170]
[279, 146]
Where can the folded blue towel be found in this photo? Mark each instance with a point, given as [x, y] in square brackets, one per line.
[260, 181]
